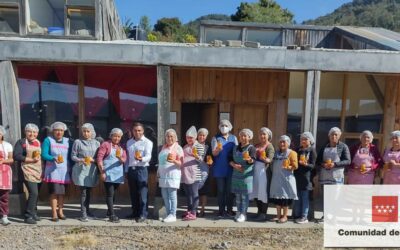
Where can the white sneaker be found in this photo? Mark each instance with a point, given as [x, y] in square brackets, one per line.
[5, 221]
[170, 218]
[241, 218]
[236, 217]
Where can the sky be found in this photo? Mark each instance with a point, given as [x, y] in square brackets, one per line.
[188, 10]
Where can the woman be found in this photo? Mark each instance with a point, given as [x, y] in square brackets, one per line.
[283, 183]
[222, 145]
[27, 152]
[56, 151]
[170, 160]
[84, 171]
[242, 177]
[110, 160]
[307, 157]
[366, 160]
[6, 159]
[331, 161]
[206, 163]
[193, 153]
[391, 157]
[262, 172]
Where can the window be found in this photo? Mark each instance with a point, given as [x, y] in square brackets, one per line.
[9, 16]
[295, 105]
[222, 34]
[45, 17]
[265, 37]
[81, 17]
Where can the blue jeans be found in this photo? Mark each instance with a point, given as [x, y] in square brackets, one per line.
[192, 196]
[225, 197]
[242, 203]
[302, 205]
[170, 200]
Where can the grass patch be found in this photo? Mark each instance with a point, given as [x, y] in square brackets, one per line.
[76, 238]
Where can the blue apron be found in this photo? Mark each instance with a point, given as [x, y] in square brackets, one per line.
[58, 172]
[113, 168]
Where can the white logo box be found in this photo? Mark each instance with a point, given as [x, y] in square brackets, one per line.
[348, 212]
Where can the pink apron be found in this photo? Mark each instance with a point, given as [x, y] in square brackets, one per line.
[355, 176]
[5, 172]
[392, 175]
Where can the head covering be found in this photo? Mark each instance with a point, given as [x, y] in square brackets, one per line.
[395, 133]
[285, 138]
[2, 130]
[203, 131]
[31, 127]
[308, 136]
[58, 125]
[89, 127]
[192, 132]
[225, 122]
[116, 131]
[367, 133]
[171, 131]
[267, 131]
[335, 130]
[247, 132]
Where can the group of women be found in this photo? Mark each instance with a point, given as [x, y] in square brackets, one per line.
[247, 171]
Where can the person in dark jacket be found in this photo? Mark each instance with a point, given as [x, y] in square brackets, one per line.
[306, 158]
[332, 160]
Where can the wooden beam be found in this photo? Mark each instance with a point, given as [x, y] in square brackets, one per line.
[98, 20]
[311, 102]
[344, 101]
[389, 116]
[163, 101]
[81, 95]
[376, 90]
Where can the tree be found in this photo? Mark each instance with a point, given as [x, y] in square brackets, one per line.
[144, 23]
[168, 26]
[263, 11]
[127, 25]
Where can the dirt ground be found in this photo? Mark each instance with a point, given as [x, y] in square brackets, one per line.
[151, 237]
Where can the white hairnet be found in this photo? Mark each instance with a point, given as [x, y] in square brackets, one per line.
[367, 133]
[225, 122]
[116, 131]
[247, 132]
[395, 133]
[203, 131]
[2, 130]
[58, 125]
[335, 130]
[171, 131]
[308, 136]
[192, 132]
[267, 131]
[31, 127]
[89, 127]
[285, 138]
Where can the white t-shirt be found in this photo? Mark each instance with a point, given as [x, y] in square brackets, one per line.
[7, 148]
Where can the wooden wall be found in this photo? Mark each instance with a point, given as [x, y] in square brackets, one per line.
[243, 89]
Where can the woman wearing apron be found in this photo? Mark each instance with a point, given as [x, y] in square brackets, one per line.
[56, 152]
[366, 160]
[244, 156]
[6, 159]
[170, 161]
[84, 172]
[262, 173]
[307, 157]
[27, 152]
[110, 160]
[391, 157]
[193, 153]
[331, 161]
[283, 183]
[206, 163]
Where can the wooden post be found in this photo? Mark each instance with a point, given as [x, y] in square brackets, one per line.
[163, 101]
[344, 101]
[98, 20]
[311, 102]
[81, 95]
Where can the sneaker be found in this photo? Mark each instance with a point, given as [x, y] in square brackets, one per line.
[320, 221]
[301, 220]
[236, 217]
[91, 216]
[84, 219]
[185, 214]
[114, 219]
[30, 221]
[230, 213]
[36, 218]
[241, 218]
[170, 218]
[220, 216]
[4, 221]
[190, 216]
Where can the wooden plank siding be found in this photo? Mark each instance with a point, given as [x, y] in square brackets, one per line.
[232, 87]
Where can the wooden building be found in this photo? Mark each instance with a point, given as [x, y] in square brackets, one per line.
[292, 78]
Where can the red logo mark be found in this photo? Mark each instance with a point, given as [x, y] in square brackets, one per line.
[385, 209]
